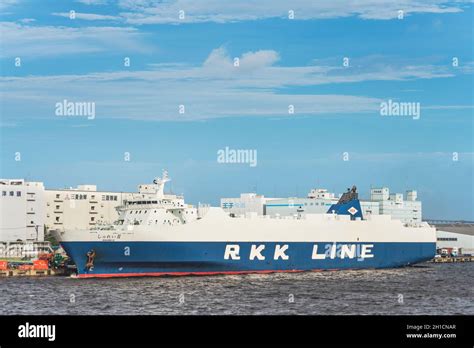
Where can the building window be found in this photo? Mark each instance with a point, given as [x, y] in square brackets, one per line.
[57, 218]
[92, 208]
[57, 196]
[18, 193]
[57, 207]
[92, 218]
[12, 193]
[4, 193]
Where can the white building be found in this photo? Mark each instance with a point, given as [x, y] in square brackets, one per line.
[22, 209]
[408, 210]
[448, 240]
[246, 203]
[81, 207]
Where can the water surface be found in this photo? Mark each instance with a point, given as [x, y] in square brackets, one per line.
[424, 289]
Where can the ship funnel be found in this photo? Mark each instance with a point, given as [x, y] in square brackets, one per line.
[348, 204]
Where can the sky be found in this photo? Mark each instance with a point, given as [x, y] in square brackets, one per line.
[298, 84]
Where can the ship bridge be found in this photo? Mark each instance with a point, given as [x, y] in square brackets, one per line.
[153, 207]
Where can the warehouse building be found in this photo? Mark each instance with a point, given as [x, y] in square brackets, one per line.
[246, 203]
[22, 209]
[406, 210]
[82, 207]
[464, 242]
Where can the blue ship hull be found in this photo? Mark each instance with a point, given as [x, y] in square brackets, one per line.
[126, 259]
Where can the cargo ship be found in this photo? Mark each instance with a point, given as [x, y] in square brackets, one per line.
[159, 234]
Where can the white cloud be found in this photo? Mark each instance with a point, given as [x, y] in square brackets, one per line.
[219, 59]
[158, 11]
[93, 2]
[215, 89]
[259, 59]
[27, 20]
[7, 3]
[86, 16]
[23, 40]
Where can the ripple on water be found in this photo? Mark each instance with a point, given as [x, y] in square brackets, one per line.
[413, 290]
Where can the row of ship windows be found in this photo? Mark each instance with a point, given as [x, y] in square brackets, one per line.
[139, 222]
[155, 202]
[242, 205]
[144, 212]
[143, 202]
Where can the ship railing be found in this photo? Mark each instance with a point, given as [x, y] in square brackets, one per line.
[416, 224]
[106, 227]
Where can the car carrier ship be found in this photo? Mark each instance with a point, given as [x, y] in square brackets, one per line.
[159, 234]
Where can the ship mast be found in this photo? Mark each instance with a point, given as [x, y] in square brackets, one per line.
[160, 183]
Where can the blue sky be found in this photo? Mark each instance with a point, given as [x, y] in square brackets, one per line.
[283, 61]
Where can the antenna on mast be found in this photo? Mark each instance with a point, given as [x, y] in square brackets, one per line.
[161, 183]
